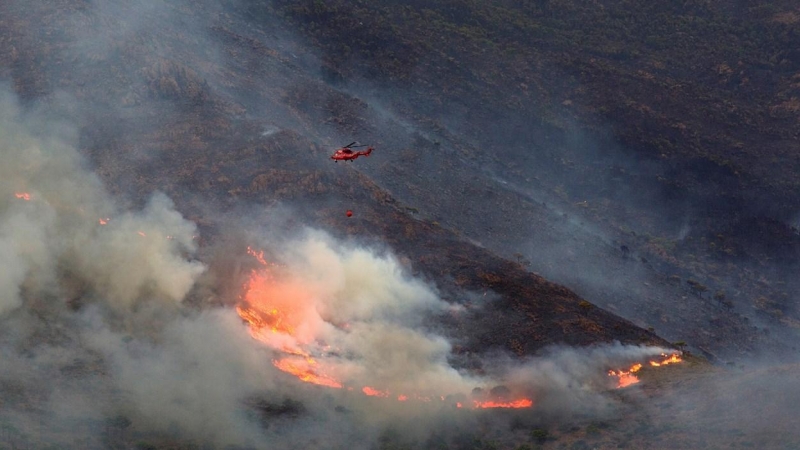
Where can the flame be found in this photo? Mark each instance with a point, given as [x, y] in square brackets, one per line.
[22, 196]
[372, 392]
[281, 315]
[520, 403]
[627, 377]
[261, 321]
[103, 221]
[301, 368]
[258, 255]
[141, 233]
[671, 359]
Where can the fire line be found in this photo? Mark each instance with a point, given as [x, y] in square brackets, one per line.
[628, 377]
[274, 321]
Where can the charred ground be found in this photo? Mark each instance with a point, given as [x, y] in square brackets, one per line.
[666, 130]
[205, 151]
[649, 143]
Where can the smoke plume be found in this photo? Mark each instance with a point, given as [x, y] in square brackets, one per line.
[101, 348]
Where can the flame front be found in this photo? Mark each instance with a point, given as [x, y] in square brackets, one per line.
[22, 196]
[628, 377]
[304, 370]
[372, 392]
[671, 359]
[521, 403]
[282, 315]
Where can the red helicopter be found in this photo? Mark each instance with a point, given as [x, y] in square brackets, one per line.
[346, 153]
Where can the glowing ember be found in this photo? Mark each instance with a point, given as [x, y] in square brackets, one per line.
[372, 392]
[22, 195]
[103, 221]
[671, 359]
[521, 403]
[302, 370]
[258, 255]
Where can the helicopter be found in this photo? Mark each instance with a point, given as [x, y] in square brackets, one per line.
[347, 153]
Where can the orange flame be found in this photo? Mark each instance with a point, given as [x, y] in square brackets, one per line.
[22, 195]
[276, 315]
[258, 255]
[372, 392]
[141, 233]
[302, 370]
[272, 320]
[521, 403]
[671, 359]
[627, 377]
[103, 221]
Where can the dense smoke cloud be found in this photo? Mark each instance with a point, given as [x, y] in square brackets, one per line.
[367, 309]
[96, 330]
[105, 340]
[191, 380]
[56, 219]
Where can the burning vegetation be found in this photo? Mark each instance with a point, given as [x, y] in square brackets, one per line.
[282, 315]
[285, 314]
[628, 377]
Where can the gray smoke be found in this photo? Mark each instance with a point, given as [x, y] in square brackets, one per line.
[51, 209]
[99, 346]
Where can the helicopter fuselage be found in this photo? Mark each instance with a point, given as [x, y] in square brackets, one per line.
[346, 154]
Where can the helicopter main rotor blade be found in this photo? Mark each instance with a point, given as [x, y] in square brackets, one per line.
[350, 144]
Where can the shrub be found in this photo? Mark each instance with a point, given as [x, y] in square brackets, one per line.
[540, 435]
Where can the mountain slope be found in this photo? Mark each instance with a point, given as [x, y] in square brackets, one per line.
[490, 133]
[664, 129]
[170, 120]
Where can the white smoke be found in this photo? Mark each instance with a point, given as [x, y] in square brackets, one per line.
[570, 380]
[51, 209]
[361, 313]
[63, 239]
[149, 245]
[128, 346]
[192, 379]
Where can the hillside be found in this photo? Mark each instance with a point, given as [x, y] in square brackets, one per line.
[666, 130]
[549, 178]
[208, 154]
